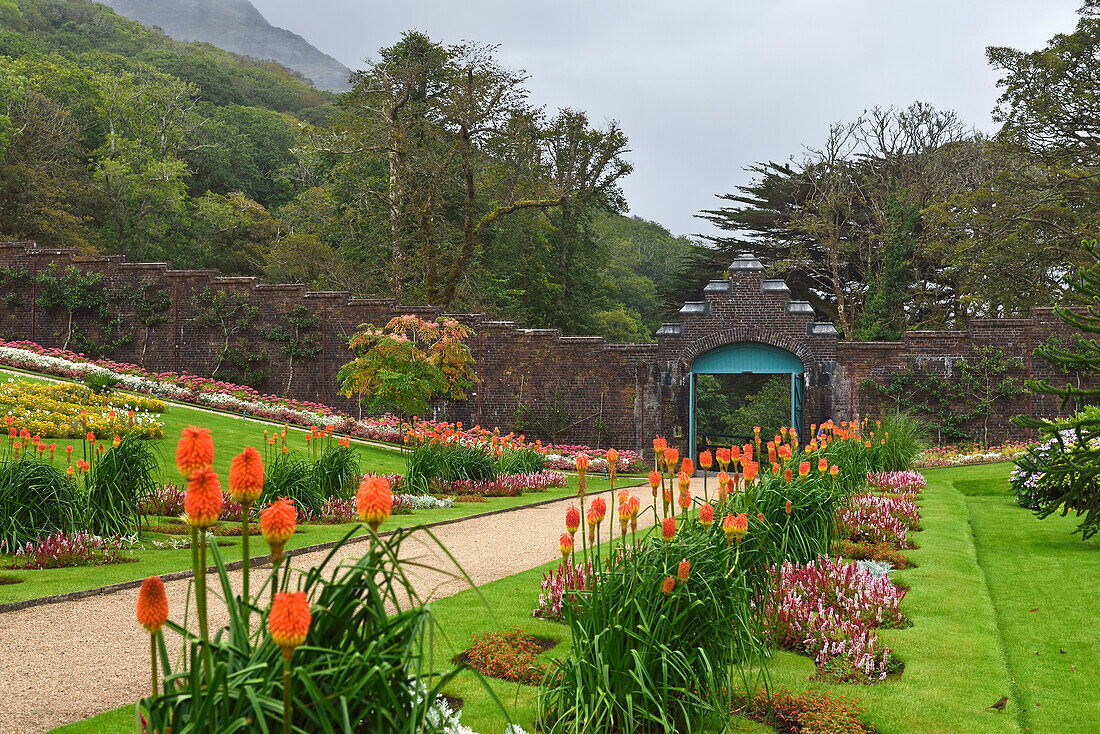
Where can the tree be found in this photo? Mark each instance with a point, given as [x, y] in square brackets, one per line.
[1070, 474]
[403, 365]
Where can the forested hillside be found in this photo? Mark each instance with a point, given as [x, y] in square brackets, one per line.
[433, 180]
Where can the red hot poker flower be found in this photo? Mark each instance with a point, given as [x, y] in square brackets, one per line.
[194, 451]
[668, 529]
[289, 620]
[152, 604]
[246, 476]
[203, 501]
[668, 585]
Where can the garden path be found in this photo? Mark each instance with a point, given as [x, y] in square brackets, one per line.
[68, 661]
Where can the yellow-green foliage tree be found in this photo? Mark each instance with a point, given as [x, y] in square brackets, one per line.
[409, 361]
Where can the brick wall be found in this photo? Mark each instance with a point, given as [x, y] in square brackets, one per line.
[617, 395]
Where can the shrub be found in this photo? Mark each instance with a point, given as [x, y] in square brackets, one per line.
[906, 439]
[651, 653]
[336, 472]
[36, 500]
[118, 483]
[293, 477]
[361, 665]
[446, 461]
[509, 655]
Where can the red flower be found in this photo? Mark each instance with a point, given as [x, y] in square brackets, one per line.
[654, 481]
[684, 480]
[671, 457]
[289, 620]
[152, 604]
[687, 467]
[203, 501]
[194, 451]
[788, 475]
[706, 515]
[706, 460]
[599, 505]
[565, 543]
[823, 465]
[668, 585]
[751, 470]
[582, 463]
[572, 519]
[683, 570]
[374, 501]
[668, 529]
[277, 523]
[804, 469]
[788, 507]
[246, 476]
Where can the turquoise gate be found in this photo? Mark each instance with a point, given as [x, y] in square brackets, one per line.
[748, 357]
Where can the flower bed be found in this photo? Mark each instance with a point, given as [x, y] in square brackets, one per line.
[507, 485]
[830, 610]
[234, 398]
[63, 550]
[510, 655]
[876, 518]
[940, 456]
[66, 410]
[809, 712]
[910, 483]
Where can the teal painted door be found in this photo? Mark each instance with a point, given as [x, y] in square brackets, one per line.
[747, 357]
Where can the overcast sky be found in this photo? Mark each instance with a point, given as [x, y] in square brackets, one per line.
[704, 88]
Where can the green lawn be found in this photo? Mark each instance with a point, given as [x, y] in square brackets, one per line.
[993, 587]
[231, 434]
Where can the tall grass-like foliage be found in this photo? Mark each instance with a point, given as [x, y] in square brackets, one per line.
[647, 657]
[446, 461]
[906, 440]
[36, 499]
[117, 485]
[362, 668]
[520, 460]
[289, 475]
[336, 472]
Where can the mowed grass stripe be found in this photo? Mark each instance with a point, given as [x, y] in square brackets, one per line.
[1042, 578]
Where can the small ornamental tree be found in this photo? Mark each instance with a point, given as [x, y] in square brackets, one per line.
[1069, 478]
[409, 361]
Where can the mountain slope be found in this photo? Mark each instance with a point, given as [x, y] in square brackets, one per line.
[236, 25]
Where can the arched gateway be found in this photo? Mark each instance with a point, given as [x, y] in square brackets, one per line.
[745, 324]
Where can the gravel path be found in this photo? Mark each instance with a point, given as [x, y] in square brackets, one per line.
[65, 662]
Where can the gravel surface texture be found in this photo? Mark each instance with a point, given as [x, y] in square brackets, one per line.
[68, 661]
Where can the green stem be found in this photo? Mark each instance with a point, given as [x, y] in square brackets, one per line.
[286, 696]
[200, 598]
[245, 508]
[153, 658]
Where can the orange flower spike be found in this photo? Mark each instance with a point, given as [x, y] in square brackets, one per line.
[277, 523]
[600, 506]
[788, 475]
[668, 585]
[203, 501]
[194, 451]
[804, 469]
[116, 441]
[246, 476]
[684, 480]
[822, 466]
[581, 461]
[654, 481]
[565, 544]
[788, 508]
[683, 570]
[706, 460]
[594, 519]
[374, 501]
[740, 526]
[572, 519]
[668, 529]
[751, 470]
[659, 445]
[723, 456]
[672, 457]
[834, 470]
[152, 604]
[706, 515]
[687, 467]
[289, 620]
[685, 498]
[728, 528]
[612, 461]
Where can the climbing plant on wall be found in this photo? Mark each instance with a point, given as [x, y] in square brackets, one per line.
[954, 399]
[296, 337]
[228, 314]
[150, 302]
[76, 293]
